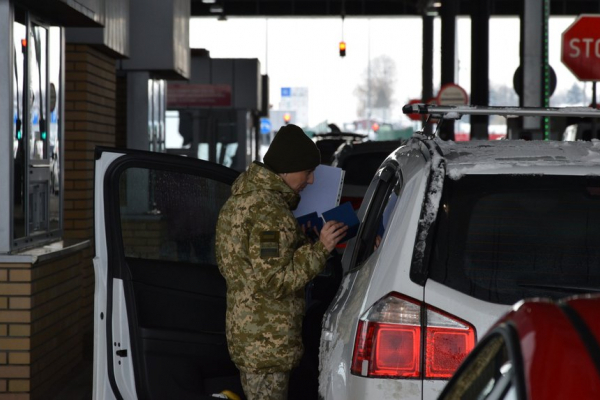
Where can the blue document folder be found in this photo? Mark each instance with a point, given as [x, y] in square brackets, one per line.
[309, 221]
[346, 214]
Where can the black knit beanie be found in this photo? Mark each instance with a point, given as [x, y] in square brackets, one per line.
[292, 151]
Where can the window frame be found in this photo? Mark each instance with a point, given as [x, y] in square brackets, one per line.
[387, 178]
[9, 242]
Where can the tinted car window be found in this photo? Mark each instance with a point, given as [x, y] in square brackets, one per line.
[378, 214]
[504, 238]
[169, 216]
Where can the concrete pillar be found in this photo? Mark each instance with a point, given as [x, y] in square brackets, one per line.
[137, 110]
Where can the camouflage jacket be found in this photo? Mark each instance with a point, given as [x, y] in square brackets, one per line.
[266, 260]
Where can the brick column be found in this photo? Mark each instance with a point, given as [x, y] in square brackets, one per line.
[90, 100]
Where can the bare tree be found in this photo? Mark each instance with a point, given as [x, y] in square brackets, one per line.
[380, 94]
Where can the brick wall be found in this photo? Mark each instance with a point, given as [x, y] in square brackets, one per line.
[15, 324]
[90, 121]
[41, 329]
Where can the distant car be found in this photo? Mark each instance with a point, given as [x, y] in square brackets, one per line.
[581, 129]
[542, 349]
[360, 161]
[328, 143]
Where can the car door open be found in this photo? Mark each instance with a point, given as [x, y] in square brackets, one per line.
[159, 316]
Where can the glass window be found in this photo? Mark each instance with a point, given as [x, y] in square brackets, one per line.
[504, 238]
[377, 216]
[38, 117]
[37, 127]
[19, 104]
[170, 216]
[156, 115]
[54, 136]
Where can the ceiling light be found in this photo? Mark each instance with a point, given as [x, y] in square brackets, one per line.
[216, 9]
[437, 4]
[208, 1]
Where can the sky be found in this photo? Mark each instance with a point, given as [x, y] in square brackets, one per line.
[297, 52]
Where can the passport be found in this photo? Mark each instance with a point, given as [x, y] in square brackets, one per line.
[346, 214]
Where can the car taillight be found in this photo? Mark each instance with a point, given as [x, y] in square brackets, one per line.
[391, 335]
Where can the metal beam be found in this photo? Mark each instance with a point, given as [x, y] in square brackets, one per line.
[480, 60]
[373, 8]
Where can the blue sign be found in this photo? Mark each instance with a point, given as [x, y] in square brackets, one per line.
[286, 92]
[265, 126]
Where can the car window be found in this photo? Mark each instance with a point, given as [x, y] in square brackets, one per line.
[381, 204]
[502, 238]
[487, 374]
[166, 215]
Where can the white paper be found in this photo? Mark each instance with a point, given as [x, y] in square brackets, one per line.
[324, 194]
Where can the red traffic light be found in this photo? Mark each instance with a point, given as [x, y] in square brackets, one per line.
[342, 49]
[375, 127]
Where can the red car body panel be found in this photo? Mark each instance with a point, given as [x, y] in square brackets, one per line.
[556, 362]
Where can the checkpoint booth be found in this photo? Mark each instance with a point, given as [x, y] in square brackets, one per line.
[215, 116]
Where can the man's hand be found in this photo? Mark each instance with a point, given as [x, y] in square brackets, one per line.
[332, 233]
[311, 232]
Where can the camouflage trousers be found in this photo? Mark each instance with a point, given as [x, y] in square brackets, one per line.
[272, 386]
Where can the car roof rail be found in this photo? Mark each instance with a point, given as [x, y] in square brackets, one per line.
[456, 112]
[442, 113]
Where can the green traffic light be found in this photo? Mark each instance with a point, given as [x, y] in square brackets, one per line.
[43, 135]
[19, 135]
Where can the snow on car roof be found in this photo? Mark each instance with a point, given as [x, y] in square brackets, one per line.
[475, 157]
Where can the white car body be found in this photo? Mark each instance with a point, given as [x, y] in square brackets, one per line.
[388, 269]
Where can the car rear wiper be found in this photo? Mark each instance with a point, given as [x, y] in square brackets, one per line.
[561, 288]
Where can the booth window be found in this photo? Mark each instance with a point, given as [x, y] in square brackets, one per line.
[37, 134]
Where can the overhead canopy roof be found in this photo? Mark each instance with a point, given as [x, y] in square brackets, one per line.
[372, 8]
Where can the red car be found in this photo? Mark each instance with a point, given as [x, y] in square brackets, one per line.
[542, 349]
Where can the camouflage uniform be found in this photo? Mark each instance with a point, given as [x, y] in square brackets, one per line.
[272, 386]
[266, 260]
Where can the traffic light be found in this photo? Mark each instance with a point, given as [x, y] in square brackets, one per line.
[286, 118]
[342, 49]
[375, 126]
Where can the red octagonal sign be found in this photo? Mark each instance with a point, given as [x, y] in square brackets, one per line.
[581, 47]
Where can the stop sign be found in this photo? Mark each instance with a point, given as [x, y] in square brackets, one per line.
[581, 47]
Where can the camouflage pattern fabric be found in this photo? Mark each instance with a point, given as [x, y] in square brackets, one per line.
[272, 386]
[266, 260]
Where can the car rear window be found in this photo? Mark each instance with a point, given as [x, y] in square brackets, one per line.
[503, 238]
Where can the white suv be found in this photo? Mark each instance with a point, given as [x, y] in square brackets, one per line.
[467, 229]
